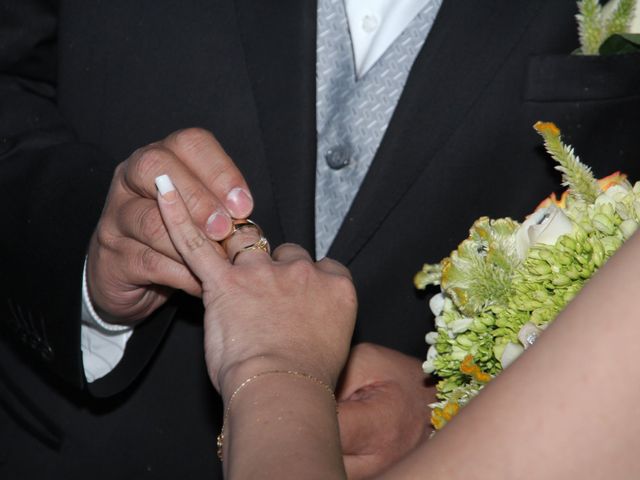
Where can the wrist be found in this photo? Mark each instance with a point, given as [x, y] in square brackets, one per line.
[266, 401]
[94, 315]
[230, 378]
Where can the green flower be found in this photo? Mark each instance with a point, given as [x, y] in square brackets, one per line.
[506, 282]
[597, 23]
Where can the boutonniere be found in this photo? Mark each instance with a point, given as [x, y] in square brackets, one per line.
[610, 29]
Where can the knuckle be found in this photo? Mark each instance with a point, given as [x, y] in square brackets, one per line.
[302, 269]
[263, 276]
[152, 227]
[221, 170]
[194, 241]
[181, 220]
[224, 173]
[150, 161]
[196, 200]
[150, 260]
[120, 169]
[104, 239]
[345, 285]
[280, 251]
[192, 138]
[118, 182]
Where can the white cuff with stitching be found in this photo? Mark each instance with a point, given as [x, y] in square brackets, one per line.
[103, 343]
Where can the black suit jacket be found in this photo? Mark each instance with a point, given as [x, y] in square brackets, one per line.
[84, 83]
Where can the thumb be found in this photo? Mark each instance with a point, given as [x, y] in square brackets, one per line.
[359, 418]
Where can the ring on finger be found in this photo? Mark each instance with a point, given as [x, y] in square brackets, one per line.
[238, 225]
[261, 244]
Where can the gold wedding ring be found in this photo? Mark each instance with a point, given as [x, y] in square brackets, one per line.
[261, 244]
[238, 225]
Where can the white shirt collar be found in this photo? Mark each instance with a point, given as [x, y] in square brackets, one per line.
[375, 24]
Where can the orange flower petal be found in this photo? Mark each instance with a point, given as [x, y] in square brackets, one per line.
[616, 178]
[547, 127]
[467, 366]
[450, 410]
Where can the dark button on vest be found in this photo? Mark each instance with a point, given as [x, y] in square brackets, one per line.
[338, 157]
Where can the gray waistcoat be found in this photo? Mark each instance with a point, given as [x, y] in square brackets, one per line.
[352, 114]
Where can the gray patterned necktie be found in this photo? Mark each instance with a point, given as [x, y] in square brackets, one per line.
[352, 114]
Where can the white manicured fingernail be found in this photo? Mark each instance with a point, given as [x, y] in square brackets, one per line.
[164, 184]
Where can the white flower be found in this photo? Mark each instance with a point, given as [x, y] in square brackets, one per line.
[431, 338]
[511, 352]
[618, 192]
[603, 199]
[628, 227]
[428, 366]
[436, 304]
[440, 323]
[542, 226]
[458, 353]
[460, 325]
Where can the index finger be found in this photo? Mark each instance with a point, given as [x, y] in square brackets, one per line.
[136, 178]
[201, 255]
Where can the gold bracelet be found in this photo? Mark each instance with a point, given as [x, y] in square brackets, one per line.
[220, 439]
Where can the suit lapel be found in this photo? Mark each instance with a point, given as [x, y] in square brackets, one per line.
[467, 44]
[279, 40]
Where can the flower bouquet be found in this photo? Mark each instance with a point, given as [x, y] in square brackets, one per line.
[507, 281]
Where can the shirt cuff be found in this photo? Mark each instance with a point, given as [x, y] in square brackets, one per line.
[103, 343]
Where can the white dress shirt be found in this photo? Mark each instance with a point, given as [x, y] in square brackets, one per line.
[373, 25]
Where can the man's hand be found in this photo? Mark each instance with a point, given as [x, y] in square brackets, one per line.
[132, 266]
[382, 408]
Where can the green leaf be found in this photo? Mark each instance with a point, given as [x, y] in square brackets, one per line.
[621, 43]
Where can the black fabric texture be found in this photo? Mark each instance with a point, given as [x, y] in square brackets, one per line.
[83, 83]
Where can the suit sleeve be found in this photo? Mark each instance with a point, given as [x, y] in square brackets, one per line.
[52, 189]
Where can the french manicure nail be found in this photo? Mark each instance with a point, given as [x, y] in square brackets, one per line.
[239, 202]
[165, 187]
[218, 225]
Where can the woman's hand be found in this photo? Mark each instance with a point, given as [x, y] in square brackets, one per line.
[283, 312]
